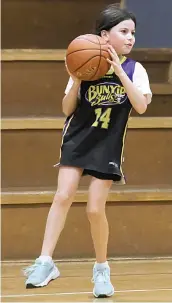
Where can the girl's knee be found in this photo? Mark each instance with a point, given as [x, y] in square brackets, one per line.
[95, 212]
[62, 198]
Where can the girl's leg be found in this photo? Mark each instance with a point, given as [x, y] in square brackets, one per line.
[44, 269]
[68, 180]
[98, 192]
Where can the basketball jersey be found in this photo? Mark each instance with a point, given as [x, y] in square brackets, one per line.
[93, 136]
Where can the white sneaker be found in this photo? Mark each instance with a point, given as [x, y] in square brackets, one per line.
[102, 285]
[40, 273]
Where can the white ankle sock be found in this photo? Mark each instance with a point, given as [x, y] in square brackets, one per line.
[101, 265]
[45, 258]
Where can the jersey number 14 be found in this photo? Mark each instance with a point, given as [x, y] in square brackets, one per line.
[102, 119]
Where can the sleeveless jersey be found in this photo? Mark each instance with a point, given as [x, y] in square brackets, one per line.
[93, 136]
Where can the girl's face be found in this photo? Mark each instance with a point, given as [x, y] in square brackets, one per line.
[121, 36]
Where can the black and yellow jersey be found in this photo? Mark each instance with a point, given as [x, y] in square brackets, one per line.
[93, 136]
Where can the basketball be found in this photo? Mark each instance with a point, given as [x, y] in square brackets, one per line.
[86, 57]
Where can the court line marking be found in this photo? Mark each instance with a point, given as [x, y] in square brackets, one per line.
[86, 261]
[84, 293]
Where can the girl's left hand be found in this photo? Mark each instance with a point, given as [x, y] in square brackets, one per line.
[115, 62]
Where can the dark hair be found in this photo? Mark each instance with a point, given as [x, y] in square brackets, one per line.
[111, 16]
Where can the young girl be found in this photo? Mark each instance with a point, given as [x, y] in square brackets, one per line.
[93, 138]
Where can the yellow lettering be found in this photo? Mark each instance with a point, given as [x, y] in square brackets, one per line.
[98, 112]
[92, 93]
[120, 90]
[104, 118]
[105, 89]
[112, 89]
[100, 93]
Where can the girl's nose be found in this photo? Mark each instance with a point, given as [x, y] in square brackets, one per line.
[130, 36]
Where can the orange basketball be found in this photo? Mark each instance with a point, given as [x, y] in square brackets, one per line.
[86, 57]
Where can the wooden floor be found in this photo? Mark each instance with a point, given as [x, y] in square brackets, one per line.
[134, 281]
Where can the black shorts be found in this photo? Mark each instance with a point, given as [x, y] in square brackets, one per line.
[96, 174]
[102, 176]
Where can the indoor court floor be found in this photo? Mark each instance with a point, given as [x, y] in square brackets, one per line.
[134, 281]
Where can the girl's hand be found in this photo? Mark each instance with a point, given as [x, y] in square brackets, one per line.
[75, 79]
[115, 62]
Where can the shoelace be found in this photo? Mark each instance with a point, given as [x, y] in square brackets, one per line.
[30, 269]
[103, 274]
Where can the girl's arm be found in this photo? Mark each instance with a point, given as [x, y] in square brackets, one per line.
[137, 99]
[70, 100]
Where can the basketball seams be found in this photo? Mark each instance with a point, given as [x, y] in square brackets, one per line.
[99, 60]
[83, 49]
[96, 53]
[91, 40]
[85, 63]
[91, 59]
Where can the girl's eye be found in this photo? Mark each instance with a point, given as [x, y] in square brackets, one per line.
[125, 31]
